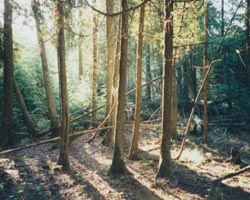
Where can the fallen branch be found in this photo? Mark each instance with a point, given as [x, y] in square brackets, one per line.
[232, 174]
[86, 114]
[104, 121]
[51, 140]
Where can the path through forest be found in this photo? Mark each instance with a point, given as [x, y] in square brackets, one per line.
[33, 173]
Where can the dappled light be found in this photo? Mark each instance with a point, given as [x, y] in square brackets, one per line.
[124, 100]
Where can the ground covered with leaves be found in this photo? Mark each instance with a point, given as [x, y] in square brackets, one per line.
[33, 173]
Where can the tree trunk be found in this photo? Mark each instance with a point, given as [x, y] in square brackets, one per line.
[110, 40]
[63, 155]
[49, 96]
[27, 119]
[148, 74]
[7, 134]
[118, 165]
[174, 102]
[205, 63]
[248, 40]
[222, 18]
[80, 60]
[94, 76]
[135, 137]
[165, 163]
[109, 139]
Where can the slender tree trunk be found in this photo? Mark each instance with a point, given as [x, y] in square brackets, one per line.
[27, 119]
[118, 165]
[7, 133]
[148, 74]
[135, 137]
[109, 139]
[222, 18]
[80, 60]
[248, 40]
[94, 76]
[49, 96]
[205, 63]
[110, 40]
[165, 163]
[63, 155]
[174, 102]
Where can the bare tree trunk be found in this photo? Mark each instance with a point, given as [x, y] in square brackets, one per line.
[248, 40]
[27, 119]
[7, 133]
[165, 163]
[49, 96]
[118, 165]
[148, 74]
[205, 117]
[174, 102]
[63, 155]
[94, 76]
[110, 39]
[109, 139]
[135, 137]
[80, 60]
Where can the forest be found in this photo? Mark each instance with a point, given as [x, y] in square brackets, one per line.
[125, 100]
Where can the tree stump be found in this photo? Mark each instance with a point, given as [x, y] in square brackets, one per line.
[235, 153]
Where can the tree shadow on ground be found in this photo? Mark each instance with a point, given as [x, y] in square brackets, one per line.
[46, 180]
[199, 184]
[124, 186]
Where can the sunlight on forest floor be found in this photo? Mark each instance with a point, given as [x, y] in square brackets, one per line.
[193, 155]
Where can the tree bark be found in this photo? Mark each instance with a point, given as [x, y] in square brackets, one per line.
[118, 165]
[63, 155]
[49, 96]
[109, 139]
[135, 137]
[80, 60]
[7, 133]
[148, 74]
[165, 163]
[174, 107]
[27, 119]
[248, 40]
[110, 40]
[205, 63]
[94, 75]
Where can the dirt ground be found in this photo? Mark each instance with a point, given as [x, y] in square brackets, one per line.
[33, 174]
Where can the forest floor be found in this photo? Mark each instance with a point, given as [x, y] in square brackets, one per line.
[33, 174]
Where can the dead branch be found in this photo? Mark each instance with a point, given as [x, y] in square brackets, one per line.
[86, 114]
[51, 140]
[143, 85]
[104, 121]
[232, 174]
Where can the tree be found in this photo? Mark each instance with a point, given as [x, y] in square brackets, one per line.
[205, 63]
[109, 138]
[7, 134]
[27, 119]
[148, 74]
[94, 78]
[135, 137]
[165, 163]
[248, 40]
[110, 41]
[49, 96]
[63, 155]
[118, 165]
